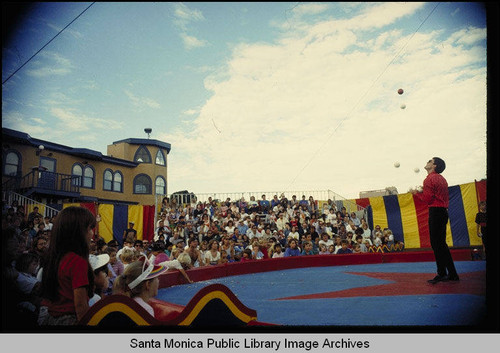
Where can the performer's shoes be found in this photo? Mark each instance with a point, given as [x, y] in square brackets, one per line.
[454, 278]
[438, 279]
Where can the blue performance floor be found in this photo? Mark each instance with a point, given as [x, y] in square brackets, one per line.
[393, 294]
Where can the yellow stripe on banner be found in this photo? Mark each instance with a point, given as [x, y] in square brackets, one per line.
[469, 199]
[136, 215]
[409, 221]
[41, 208]
[379, 212]
[71, 204]
[106, 223]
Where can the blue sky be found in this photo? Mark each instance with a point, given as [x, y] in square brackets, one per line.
[260, 96]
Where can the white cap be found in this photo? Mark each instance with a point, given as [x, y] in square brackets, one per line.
[97, 261]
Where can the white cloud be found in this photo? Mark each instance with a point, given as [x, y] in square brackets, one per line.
[191, 42]
[50, 64]
[141, 102]
[77, 122]
[309, 112]
[309, 9]
[183, 16]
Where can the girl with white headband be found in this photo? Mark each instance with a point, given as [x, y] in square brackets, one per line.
[140, 282]
[140, 279]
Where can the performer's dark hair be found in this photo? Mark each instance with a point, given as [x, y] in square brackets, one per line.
[440, 165]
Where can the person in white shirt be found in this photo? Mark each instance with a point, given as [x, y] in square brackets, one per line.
[325, 240]
[281, 221]
[294, 234]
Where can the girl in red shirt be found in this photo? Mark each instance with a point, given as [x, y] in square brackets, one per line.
[68, 279]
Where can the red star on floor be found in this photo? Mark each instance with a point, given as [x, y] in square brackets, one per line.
[407, 284]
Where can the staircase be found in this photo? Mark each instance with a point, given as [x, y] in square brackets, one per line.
[9, 197]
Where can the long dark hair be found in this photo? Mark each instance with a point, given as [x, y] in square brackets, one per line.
[69, 234]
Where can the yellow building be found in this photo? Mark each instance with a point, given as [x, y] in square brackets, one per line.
[134, 170]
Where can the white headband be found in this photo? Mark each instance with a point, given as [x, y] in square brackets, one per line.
[144, 274]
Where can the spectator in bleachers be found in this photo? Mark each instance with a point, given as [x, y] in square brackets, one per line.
[246, 255]
[355, 219]
[253, 232]
[140, 282]
[277, 251]
[127, 256]
[377, 240]
[35, 214]
[376, 229]
[325, 240]
[27, 265]
[292, 249]
[115, 268]
[307, 248]
[338, 243]
[195, 254]
[359, 241]
[323, 249]
[367, 233]
[212, 256]
[264, 204]
[388, 237]
[344, 249]
[67, 281]
[99, 264]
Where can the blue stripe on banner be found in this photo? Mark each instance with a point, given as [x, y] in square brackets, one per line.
[394, 221]
[458, 221]
[120, 217]
[369, 214]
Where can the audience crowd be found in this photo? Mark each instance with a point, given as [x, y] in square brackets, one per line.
[193, 235]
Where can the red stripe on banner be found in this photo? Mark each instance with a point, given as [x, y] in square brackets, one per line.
[148, 226]
[422, 212]
[481, 190]
[364, 202]
[91, 206]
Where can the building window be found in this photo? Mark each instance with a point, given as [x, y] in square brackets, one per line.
[160, 186]
[112, 181]
[117, 182]
[142, 155]
[142, 184]
[77, 171]
[12, 166]
[88, 177]
[108, 180]
[160, 158]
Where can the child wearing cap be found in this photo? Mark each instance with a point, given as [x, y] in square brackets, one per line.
[99, 264]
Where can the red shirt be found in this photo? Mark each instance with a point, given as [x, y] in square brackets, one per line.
[435, 193]
[73, 273]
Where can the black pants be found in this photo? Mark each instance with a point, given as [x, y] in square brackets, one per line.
[438, 218]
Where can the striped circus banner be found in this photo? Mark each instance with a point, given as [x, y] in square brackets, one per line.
[114, 219]
[407, 216]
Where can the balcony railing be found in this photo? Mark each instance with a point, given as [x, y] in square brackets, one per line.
[41, 180]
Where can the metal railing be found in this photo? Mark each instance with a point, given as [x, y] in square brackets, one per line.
[10, 196]
[44, 180]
